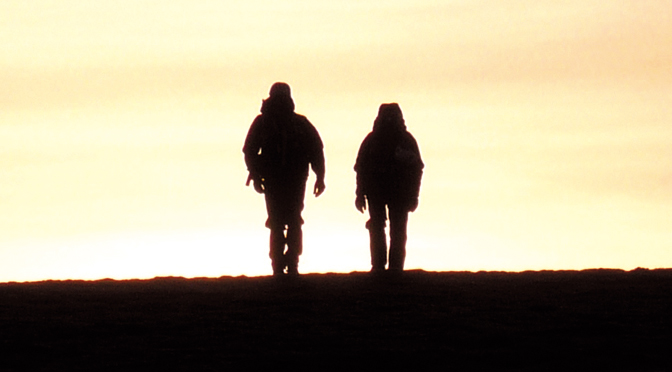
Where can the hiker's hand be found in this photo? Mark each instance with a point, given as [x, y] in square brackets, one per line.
[257, 182]
[413, 205]
[319, 188]
[360, 204]
[258, 185]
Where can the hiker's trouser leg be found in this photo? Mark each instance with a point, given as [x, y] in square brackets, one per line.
[398, 236]
[277, 249]
[294, 247]
[377, 237]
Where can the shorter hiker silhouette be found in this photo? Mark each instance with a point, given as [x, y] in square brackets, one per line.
[389, 170]
[279, 147]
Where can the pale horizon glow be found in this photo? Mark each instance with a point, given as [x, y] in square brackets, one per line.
[544, 126]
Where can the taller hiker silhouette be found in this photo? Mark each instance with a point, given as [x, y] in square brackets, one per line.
[389, 170]
[279, 147]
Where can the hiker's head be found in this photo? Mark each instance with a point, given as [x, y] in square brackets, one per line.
[389, 118]
[279, 101]
[280, 89]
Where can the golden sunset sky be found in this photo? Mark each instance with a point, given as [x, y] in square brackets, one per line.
[545, 126]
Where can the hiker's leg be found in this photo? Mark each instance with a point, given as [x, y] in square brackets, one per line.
[377, 237]
[398, 237]
[294, 247]
[277, 248]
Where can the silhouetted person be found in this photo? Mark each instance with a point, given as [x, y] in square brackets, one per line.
[279, 147]
[389, 170]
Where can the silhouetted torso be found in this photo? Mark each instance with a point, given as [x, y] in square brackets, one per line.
[389, 166]
[281, 143]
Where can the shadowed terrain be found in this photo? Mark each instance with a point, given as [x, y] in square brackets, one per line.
[548, 320]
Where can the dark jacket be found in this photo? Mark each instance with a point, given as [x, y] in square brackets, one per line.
[281, 143]
[389, 166]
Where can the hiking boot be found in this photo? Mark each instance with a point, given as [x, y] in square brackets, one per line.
[377, 270]
[293, 270]
[278, 268]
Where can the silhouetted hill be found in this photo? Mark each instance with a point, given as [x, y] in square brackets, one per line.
[548, 320]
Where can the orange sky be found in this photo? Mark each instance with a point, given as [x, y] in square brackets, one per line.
[544, 126]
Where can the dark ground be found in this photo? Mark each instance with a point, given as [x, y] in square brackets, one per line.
[604, 320]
